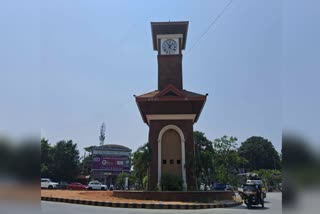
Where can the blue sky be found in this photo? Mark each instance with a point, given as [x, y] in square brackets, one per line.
[68, 66]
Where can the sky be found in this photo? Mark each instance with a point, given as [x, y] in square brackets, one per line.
[68, 66]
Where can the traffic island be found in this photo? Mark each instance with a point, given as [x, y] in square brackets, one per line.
[106, 199]
[161, 205]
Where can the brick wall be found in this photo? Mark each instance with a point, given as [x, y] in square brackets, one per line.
[187, 128]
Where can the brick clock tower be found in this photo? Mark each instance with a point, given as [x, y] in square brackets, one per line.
[170, 111]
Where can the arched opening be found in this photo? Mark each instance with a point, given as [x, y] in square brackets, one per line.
[171, 153]
[171, 135]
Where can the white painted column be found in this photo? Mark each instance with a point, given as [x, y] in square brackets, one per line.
[183, 161]
[159, 161]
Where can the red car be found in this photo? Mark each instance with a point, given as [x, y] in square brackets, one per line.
[76, 186]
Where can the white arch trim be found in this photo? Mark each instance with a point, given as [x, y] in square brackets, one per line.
[163, 130]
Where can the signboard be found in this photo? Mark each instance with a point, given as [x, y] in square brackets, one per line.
[109, 153]
[111, 163]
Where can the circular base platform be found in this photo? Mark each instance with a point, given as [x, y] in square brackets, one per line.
[184, 196]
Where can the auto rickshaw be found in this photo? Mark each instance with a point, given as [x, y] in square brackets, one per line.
[252, 194]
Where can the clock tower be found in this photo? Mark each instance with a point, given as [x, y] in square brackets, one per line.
[169, 39]
[170, 111]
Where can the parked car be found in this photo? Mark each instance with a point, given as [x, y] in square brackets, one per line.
[97, 185]
[62, 185]
[48, 184]
[219, 186]
[76, 186]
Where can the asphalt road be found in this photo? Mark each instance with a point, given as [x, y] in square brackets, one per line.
[273, 205]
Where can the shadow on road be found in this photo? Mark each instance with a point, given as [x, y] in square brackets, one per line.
[254, 208]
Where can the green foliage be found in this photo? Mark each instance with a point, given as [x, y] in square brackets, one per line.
[46, 158]
[202, 163]
[45, 151]
[89, 149]
[86, 162]
[145, 182]
[260, 154]
[216, 161]
[141, 162]
[221, 174]
[270, 177]
[65, 161]
[120, 180]
[171, 183]
[59, 162]
[224, 145]
[226, 159]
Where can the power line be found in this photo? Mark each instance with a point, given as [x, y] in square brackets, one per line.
[211, 24]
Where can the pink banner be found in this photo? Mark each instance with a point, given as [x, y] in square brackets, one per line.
[111, 163]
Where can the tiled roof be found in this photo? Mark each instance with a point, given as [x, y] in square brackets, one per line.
[112, 147]
[149, 94]
[156, 92]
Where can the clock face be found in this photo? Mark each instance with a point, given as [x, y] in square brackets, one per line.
[169, 46]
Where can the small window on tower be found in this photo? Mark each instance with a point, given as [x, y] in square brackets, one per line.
[171, 161]
[164, 161]
[178, 161]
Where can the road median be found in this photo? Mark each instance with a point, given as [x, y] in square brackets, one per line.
[151, 205]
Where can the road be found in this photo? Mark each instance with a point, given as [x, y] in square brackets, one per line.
[273, 205]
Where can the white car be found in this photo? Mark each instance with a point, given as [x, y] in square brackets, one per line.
[48, 184]
[96, 185]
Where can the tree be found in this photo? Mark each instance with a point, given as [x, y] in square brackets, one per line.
[86, 162]
[89, 149]
[46, 158]
[203, 164]
[141, 163]
[224, 145]
[120, 180]
[102, 136]
[270, 177]
[60, 161]
[226, 159]
[65, 161]
[215, 161]
[260, 154]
